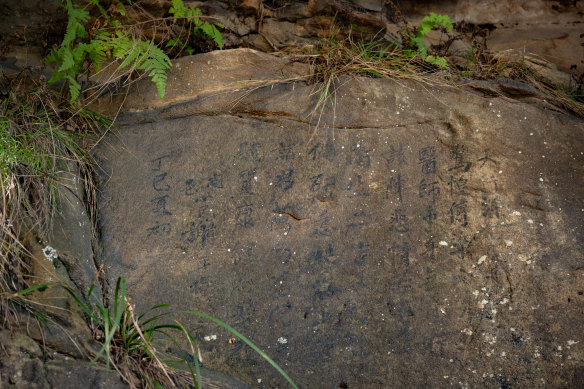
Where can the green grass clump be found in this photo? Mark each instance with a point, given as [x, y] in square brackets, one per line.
[128, 340]
[40, 137]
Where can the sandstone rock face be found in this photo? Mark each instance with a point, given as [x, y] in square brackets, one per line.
[421, 236]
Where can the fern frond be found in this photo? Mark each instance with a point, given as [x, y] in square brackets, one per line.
[192, 14]
[158, 77]
[440, 62]
[422, 48]
[177, 9]
[100, 8]
[74, 89]
[142, 55]
[67, 61]
[75, 29]
[52, 57]
[79, 53]
[442, 21]
[134, 56]
[56, 76]
[212, 31]
[96, 51]
[121, 45]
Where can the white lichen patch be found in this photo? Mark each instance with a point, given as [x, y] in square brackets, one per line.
[508, 243]
[482, 259]
[467, 331]
[50, 253]
[482, 303]
[209, 338]
[523, 258]
[490, 339]
[443, 243]
[282, 340]
[537, 352]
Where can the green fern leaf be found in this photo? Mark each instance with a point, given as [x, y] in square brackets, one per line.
[193, 15]
[56, 76]
[437, 61]
[132, 55]
[102, 35]
[211, 30]
[79, 53]
[67, 61]
[101, 9]
[121, 45]
[96, 53]
[52, 57]
[424, 28]
[429, 23]
[158, 77]
[422, 48]
[74, 89]
[174, 42]
[442, 21]
[75, 29]
[177, 9]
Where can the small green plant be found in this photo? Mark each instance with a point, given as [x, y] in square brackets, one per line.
[73, 53]
[40, 136]
[416, 41]
[78, 54]
[127, 336]
[193, 15]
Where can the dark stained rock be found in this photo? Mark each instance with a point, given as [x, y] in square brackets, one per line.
[420, 236]
[28, 364]
[73, 374]
[19, 372]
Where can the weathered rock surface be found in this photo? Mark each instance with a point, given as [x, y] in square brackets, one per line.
[420, 236]
[57, 353]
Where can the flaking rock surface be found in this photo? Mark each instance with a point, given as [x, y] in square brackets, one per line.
[420, 236]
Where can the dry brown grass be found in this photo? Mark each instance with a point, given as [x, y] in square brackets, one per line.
[39, 139]
[329, 58]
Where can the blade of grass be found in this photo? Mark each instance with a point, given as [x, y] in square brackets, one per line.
[197, 375]
[34, 287]
[151, 350]
[246, 340]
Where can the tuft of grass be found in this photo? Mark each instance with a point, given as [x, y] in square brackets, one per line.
[486, 65]
[129, 342]
[40, 137]
[330, 58]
